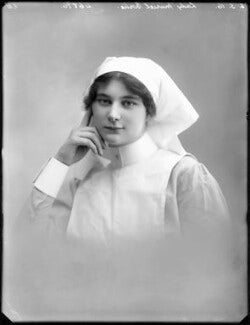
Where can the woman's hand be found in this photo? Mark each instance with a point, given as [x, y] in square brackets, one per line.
[80, 140]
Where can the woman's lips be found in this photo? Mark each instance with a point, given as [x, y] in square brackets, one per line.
[113, 128]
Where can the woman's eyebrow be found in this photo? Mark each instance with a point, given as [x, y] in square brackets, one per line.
[131, 97]
[103, 95]
[135, 97]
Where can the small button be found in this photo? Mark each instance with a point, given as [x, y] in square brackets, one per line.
[117, 156]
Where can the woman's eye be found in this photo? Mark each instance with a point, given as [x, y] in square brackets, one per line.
[104, 102]
[128, 103]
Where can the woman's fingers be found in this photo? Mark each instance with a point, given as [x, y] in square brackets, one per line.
[80, 139]
[88, 143]
[93, 137]
[94, 130]
[103, 143]
[86, 135]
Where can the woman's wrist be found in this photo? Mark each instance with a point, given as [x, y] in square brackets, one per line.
[64, 158]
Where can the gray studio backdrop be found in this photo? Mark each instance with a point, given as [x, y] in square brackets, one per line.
[50, 51]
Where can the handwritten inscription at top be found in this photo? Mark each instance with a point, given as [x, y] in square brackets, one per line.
[76, 5]
[140, 6]
[179, 6]
[230, 6]
[137, 5]
[11, 6]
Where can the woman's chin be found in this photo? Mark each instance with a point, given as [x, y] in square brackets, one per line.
[114, 140]
[115, 143]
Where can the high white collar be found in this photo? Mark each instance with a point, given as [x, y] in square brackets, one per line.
[134, 152]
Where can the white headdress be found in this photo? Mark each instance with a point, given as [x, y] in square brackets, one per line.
[174, 113]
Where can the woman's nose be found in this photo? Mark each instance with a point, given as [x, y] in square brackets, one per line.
[114, 113]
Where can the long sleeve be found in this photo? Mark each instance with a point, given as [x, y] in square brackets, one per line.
[43, 213]
[206, 227]
[194, 194]
[199, 194]
[197, 205]
[48, 207]
[210, 256]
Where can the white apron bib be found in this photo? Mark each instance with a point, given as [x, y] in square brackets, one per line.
[127, 202]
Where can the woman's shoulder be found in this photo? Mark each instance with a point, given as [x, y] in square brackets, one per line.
[180, 163]
[187, 163]
[197, 187]
[190, 169]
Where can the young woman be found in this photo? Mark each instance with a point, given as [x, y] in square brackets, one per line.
[136, 178]
[122, 182]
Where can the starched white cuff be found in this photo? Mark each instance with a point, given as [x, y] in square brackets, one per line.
[50, 178]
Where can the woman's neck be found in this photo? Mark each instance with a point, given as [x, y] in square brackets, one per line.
[134, 152]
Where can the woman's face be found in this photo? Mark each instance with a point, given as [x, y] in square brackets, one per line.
[119, 116]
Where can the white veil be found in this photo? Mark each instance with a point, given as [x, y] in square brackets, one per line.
[174, 113]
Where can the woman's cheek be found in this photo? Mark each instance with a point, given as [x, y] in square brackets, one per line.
[98, 117]
[96, 123]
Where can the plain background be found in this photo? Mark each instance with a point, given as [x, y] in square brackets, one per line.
[50, 53]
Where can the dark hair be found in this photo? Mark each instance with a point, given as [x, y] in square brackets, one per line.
[132, 84]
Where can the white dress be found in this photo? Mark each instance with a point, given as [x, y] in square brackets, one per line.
[113, 208]
[144, 190]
